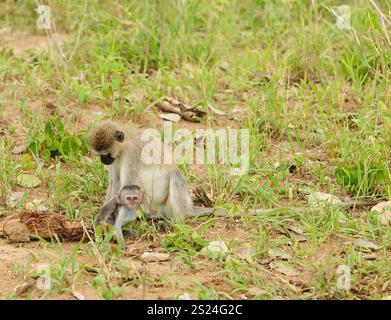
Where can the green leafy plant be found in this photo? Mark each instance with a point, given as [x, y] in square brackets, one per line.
[363, 179]
[185, 238]
[56, 141]
[109, 292]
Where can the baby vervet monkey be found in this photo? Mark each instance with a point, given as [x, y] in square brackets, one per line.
[129, 199]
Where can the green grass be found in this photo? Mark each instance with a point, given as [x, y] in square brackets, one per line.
[316, 101]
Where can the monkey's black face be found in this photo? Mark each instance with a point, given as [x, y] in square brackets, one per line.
[107, 159]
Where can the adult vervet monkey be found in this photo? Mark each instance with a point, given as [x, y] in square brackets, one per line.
[165, 188]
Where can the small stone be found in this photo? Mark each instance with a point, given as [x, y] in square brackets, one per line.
[319, 198]
[215, 250]
[384, 210]
[184, 296]
[154, 257]
[78, 295]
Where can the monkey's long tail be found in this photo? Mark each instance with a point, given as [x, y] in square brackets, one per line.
[218, 212]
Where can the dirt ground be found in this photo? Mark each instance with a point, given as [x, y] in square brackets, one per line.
[298, 253]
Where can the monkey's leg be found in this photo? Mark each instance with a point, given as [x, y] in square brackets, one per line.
[110, 219]
[179, 203]
[124, 215]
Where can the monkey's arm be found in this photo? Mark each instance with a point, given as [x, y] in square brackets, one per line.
[106, 211]
[128, 169]
[114, 185]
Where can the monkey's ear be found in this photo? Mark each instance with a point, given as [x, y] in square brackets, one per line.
[119, 136]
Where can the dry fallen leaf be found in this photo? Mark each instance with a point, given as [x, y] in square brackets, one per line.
[283, 268]
[370, 257]
[22, 288]
[278, 253]
[295, 229]
[173, 117]
[365, 244]
[255, 291]
[296, 233]
[246, 252]
[188, 113]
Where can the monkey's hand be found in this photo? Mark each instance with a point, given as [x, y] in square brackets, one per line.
[106, 212]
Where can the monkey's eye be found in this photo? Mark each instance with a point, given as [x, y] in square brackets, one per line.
[119, 136]
[129, 198]
[135, 198]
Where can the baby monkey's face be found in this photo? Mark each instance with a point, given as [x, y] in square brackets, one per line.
[130, 196]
